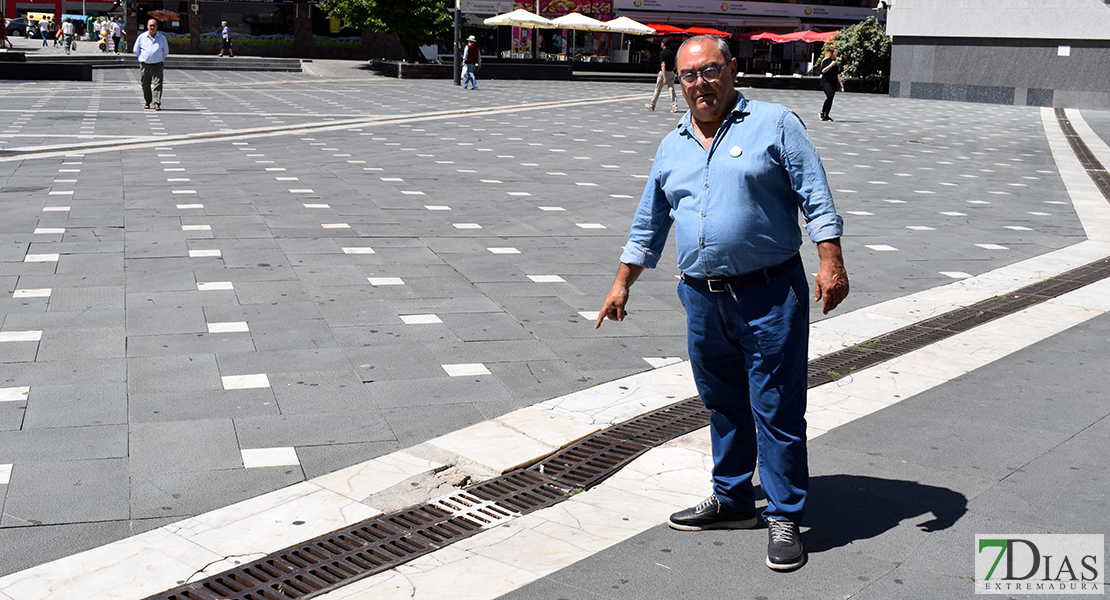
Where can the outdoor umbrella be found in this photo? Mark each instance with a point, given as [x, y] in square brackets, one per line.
[578, 22]
[707, 31]
[623, 25]
[520, 18]
[574, 21]
[809, 37]
[760, 36]
[661, 29]
[626, 25]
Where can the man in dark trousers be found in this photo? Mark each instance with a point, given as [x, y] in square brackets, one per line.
[732, 178]
[472, 59]
[830, 81]
[152, 49]
[665, 76]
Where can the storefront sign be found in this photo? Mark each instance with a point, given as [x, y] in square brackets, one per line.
[762, 9]
[486, 8]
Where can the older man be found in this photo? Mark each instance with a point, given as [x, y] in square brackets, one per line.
[152, 50]
[732, 177]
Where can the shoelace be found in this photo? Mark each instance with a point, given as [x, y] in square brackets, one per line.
[781, 532]
[708, 502]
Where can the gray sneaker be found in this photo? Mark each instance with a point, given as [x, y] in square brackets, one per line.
[784, 546]
[711, 514]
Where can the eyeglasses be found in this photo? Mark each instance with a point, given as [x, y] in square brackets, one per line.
[708, 75]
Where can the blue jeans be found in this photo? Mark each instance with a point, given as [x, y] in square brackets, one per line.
[44, 44]
[748, 349]
[468, 72]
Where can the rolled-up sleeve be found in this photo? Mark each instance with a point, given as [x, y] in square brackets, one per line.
[652, 222]
[808, 179]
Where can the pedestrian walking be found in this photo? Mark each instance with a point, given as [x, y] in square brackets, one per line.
[152, 50]
[472, 60]
[67, 34]
[44, 30]
[743, 286]
[117, 32]
[830, 81]
[225, 40]
[53, 31]
[4, 41]
[665, 76]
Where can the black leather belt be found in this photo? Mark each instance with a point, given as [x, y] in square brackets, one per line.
[722, 284]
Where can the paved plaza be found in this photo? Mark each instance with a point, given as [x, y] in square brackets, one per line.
[280, 276]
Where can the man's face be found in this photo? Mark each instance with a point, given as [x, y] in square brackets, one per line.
[152, 26]
[708, 101]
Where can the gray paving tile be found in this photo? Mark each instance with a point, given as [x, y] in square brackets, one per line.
[167, 495]
[411, 425]
[147, 319]
[319, 392]
[24, 547]
[148, 407]
[67, 492]
[182, 372]
[312, 429]
[65, 444]
[51, 406]
[82, 344]
[11, 419]
[183, 446]
[327, 458]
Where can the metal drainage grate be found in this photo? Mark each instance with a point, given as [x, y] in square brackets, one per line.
[841, 363]
[381, 543]
[1094, 168]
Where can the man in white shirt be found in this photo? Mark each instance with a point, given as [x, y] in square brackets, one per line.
[152, 49]
[117, 32]
[67, 34]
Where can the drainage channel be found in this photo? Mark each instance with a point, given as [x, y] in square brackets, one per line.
[375, 545]
[1094, 168]
[382, 543]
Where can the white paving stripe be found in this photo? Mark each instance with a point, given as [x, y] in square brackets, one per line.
[665, 479]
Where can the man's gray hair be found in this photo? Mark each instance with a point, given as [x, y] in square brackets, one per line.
[722, 44]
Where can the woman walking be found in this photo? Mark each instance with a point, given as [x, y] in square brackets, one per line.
[830, 81]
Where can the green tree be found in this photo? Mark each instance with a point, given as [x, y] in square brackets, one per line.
[864, 49]
[414, 22]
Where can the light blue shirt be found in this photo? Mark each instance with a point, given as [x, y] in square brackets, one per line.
[152, 51]
[226, 33]
[735, 208]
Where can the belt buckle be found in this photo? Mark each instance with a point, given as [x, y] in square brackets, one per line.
[717, 285]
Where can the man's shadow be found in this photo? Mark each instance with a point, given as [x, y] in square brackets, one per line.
[842, 509]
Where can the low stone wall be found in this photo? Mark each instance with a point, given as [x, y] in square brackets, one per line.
[40, 71]
[489, 70]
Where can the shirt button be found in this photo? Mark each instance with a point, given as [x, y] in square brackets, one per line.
[707, 186]
[703, 244]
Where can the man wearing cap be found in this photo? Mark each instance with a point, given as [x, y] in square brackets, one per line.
[732, 177]
[472, 59]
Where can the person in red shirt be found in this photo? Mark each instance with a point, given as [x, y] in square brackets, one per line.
[472, 59]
